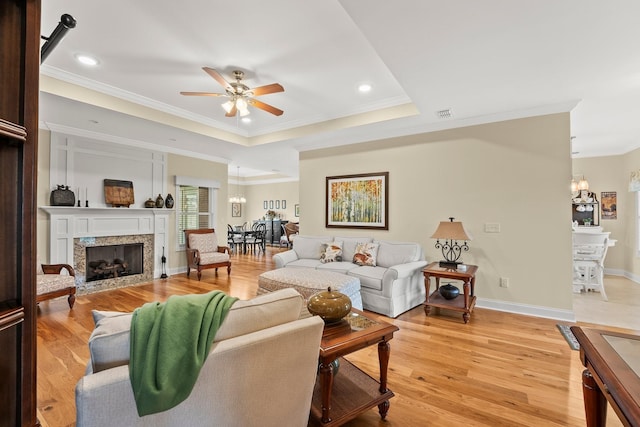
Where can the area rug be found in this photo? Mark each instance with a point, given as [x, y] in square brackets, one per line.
[568, 335]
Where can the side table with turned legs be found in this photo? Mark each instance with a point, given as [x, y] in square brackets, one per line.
[464, 302]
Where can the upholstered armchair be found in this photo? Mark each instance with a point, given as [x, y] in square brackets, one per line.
[52, 283]
[203, 251]
[290, 230]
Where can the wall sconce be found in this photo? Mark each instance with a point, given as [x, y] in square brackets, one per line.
[451, 232]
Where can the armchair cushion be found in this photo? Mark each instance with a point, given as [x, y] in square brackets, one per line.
[205, 243]
[53, 282]
[213, 257]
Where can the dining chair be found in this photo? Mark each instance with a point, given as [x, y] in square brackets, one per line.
[257, 239]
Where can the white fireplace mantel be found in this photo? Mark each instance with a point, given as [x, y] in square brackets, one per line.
[68, 223]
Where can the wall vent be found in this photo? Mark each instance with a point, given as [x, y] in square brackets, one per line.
[444, 114]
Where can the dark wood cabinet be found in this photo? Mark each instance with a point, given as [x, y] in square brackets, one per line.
[19, 71]
[274, 230]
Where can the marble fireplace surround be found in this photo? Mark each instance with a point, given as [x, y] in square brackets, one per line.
[80, 246]
[73, 228]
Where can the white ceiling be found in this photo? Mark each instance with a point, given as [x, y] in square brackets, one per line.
[486, 60]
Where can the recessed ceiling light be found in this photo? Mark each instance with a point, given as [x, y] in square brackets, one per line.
[364, 88]
[246, 120]
[87, 60]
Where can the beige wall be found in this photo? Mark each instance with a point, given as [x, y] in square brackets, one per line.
[203, 169]
[514, 173]
[257, 194]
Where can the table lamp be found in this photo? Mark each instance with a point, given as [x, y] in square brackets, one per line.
[451, 232]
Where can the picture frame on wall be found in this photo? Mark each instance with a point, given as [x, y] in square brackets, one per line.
[297, 210]
[284, 204]
[270, 204]
[358, 201]
[277, 204]
[236, 210]
[265, 205]
[609, 201]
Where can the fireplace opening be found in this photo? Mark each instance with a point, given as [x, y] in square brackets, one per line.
[108, 262]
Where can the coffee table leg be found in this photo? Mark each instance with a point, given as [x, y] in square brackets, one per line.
[595, 404]
[326, 385]
[384, 350]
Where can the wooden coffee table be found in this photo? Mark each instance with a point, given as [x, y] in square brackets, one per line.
[342, 397]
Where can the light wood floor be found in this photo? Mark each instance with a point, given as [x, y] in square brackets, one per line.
[499, 370]
[620, 310]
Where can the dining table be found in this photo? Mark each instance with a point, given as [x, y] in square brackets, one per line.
[240, 235]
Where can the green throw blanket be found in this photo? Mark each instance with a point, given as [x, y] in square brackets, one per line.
[169, 344]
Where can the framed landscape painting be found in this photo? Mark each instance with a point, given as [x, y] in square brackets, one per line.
[358, 201]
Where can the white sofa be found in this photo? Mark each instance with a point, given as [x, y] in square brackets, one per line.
[261, 370]
[391, 287]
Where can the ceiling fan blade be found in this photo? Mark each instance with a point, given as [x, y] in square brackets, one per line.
[266, 107]
[213, 73]
[232, 112]
[263, 90]
[202, 94]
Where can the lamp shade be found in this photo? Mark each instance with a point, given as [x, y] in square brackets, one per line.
[452, 230]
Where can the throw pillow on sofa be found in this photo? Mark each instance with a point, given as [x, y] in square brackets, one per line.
[366, 254]
[331, 252]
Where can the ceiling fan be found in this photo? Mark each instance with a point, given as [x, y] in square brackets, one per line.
[240, 95]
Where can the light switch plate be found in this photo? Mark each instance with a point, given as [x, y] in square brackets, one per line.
[492, 227]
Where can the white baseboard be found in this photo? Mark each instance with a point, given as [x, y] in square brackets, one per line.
[526, 309]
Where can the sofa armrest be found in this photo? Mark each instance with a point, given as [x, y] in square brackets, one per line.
[106, 397]
[403, 270]
[193, 256]
[57, 269]
[283, 258]
[409, 268]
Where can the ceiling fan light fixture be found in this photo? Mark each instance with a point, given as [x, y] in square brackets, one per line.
[240, 95]
[227, 106]
[241, 105]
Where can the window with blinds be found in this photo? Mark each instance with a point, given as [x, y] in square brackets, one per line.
[193, 210]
